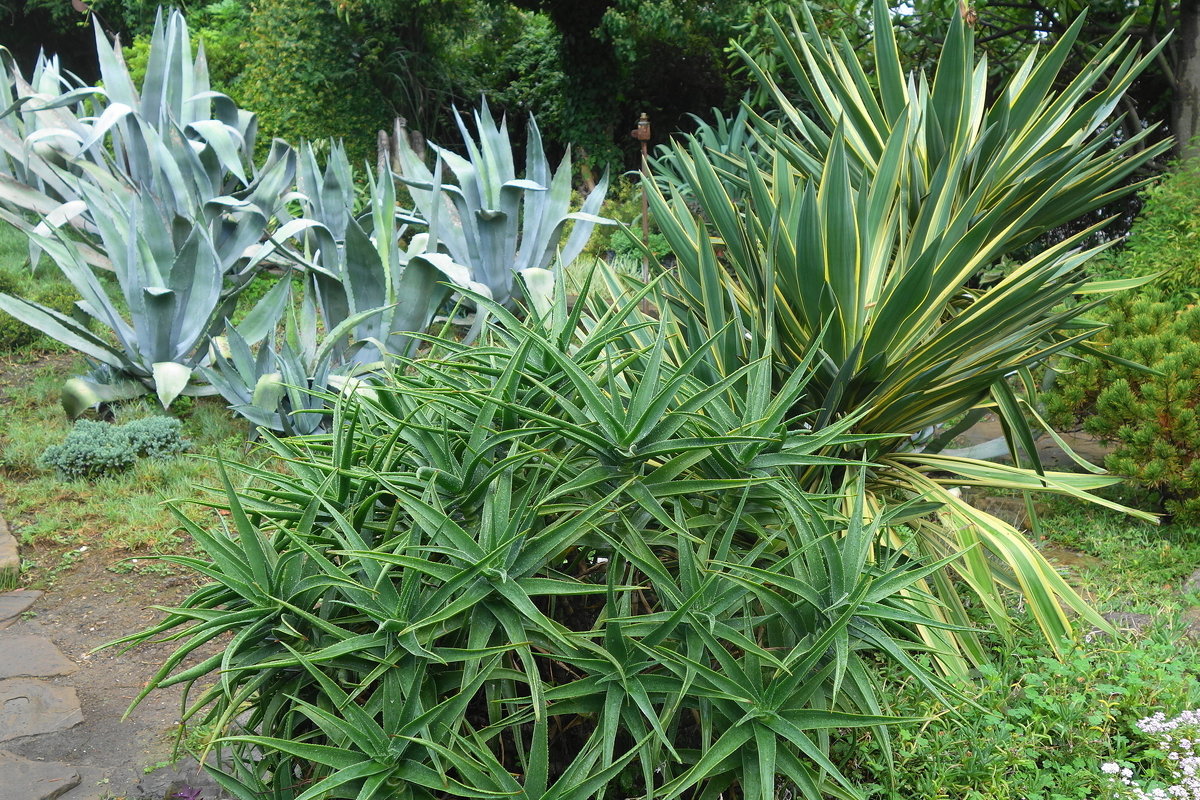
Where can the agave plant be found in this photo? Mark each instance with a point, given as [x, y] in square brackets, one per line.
[493, 223]
[358, 264]
[49, 101]
[543, 567]
[861, 239]
[365, 289]
[163, 178]
[283, 388]
[53, 124]
[178, 279]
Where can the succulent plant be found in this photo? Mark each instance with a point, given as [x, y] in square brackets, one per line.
[491, 222]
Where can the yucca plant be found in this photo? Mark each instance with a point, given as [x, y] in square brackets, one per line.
[491, 222]
[865, 248]
[548, 566]
[1020, 159]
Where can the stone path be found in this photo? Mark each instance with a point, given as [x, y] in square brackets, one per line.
[48, 747]
[30, 706]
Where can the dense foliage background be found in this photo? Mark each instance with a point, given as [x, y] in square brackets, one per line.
[585, 69]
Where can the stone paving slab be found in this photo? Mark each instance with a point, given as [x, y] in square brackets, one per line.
[29, 707]
[26, 656]
[1192, 584]
[22, 779]
[14, 604]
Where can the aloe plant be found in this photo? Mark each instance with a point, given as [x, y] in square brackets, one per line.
[491, 222]
[543, 567]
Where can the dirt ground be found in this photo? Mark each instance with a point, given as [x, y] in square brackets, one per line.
[116, 758]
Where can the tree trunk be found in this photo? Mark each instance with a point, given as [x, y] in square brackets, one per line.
[1185, 108]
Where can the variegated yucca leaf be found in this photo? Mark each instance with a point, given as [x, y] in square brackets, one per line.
[1038, 151]
[856, 232]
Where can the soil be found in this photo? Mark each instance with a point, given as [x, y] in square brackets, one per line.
[116, 757]
[94, 597]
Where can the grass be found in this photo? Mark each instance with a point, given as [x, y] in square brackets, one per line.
[14, 249]
[1038, 727]
[122, 513]
[1136, 567]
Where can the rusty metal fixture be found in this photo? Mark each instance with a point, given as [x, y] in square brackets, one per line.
[642, 131]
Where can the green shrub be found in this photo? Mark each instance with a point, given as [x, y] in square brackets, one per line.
[91, 450]
[156, 437]
[627, 244]
[58, 295]
[1042, 727]
[1165, 237]
[1151, 417]
[96, 449]
[305, 79]
[623, 203]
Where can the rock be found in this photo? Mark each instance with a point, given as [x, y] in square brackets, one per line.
[22, 779]
[10, 559]
[1009, 509]
[1192, 584]
[1132, 623]
[1191, 618]
[1070, 559]
[25, 656]
[29, 707]
[14, 604]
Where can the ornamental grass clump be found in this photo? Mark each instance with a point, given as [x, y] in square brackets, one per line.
[548, 566]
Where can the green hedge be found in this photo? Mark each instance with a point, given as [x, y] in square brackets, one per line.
[1165, 238]
[1151, 416]
[305, 79]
